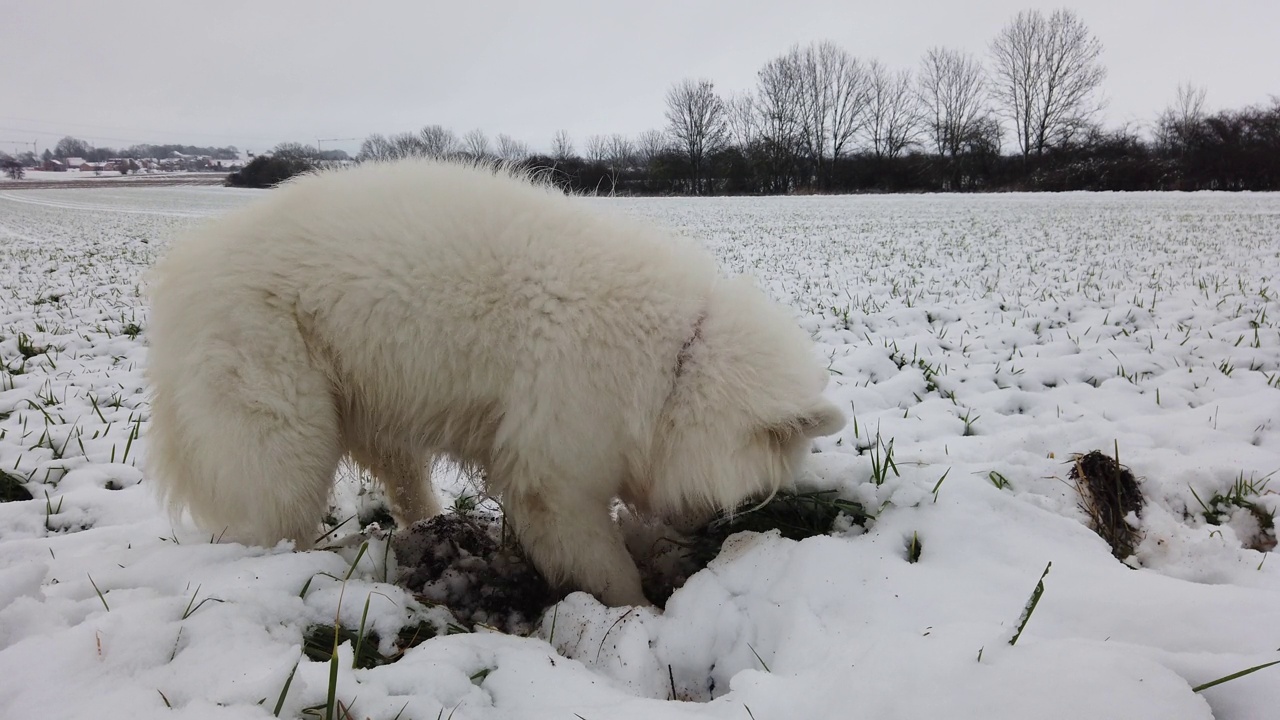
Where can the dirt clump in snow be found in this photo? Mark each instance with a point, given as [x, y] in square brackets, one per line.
[463, 562]
[12, 489]
[1110, 495]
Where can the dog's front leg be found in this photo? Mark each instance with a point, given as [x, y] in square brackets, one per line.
[574, 542]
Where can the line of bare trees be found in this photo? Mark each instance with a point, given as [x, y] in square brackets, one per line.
[441, 142]
[816, 108]
[820, 119]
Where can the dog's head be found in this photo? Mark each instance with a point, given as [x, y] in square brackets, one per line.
[745, 409]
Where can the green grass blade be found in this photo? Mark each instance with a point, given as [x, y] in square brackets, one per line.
[1233, 676]
[1031, 605]
[284, 691]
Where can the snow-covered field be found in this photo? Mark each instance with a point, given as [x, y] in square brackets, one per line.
[37, 179]
[140, 175]
[988, 338]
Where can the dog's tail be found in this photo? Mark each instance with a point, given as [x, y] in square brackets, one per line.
[243, 432]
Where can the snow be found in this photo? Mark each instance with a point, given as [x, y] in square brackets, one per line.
[987, 334]
[76, 174]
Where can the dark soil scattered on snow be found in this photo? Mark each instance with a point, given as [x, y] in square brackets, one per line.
[469, 563]
[462, 562]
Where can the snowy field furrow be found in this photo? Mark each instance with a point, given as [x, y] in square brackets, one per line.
[982, 343]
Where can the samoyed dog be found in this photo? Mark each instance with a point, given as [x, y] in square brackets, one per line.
[401, 312]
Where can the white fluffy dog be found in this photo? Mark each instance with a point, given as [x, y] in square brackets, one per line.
[402, 312]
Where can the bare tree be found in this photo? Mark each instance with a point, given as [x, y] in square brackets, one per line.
[893, 115]
[620, 154]
[777, 109]
[697, 123]
[561, 145]
[848, 90]
[1179, 122]
[295, 150]
[649, 145]
[613, 152]
[406, 144]
[741, 119]
[476, 144]
[375, 147]
[439, 142]
[953, 98]
[832, 103]
[510, 149]
[1046, 72]
[597, 148]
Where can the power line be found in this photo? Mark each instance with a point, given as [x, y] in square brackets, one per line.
[321, 141]
[131, 141]
[15, 143]
[92, 129]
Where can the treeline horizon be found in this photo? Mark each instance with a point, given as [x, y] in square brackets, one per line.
[1231, 150]
[820, 120]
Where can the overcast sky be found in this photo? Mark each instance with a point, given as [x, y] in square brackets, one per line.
[256, 72]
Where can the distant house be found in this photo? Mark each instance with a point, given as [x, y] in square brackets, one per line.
[74, 162]
[52, 166]
[181, 161]
[98, 167]
[122, 165]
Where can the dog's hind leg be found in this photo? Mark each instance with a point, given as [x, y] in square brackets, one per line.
[405, 477]
[244, 429]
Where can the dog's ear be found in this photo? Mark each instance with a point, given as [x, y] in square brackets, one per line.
[821, 419]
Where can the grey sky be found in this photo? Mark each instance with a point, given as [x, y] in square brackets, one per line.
[256, 72]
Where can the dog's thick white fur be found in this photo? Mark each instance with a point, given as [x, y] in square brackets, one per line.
[407, 311]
